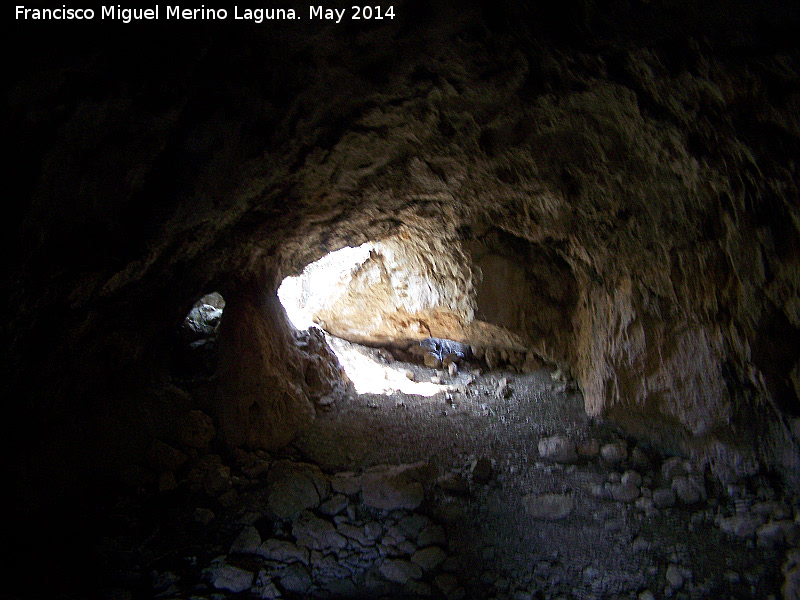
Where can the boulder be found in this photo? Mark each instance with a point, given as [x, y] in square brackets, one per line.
[391, 487]
[294, 487]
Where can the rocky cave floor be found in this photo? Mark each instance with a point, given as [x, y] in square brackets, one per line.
[498, 486]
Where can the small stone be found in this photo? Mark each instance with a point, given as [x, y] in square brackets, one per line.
[624, 493]
[410, 374]
[791, 573]
[400, 571]
[163, 581]
[591, 573]
[614, 452]
[631, 478]
[334, 505]
[431, 360]
[346, 483]
[778, 532]
[689, 490]
[740, 525]
[502, 390]
[548, 506]
[217, 479]
[229, 498]
[397, 486]
[296, 579]
[483, 472]
[326, 402]
[646, 595]
[228, 577]
[166, 482]
[645, 505]
[674, 576]
[732, 577]
[266, 591]
[492, 358]
[558, 448]
[452, 369]
[641, 545]
[429, 558]
[365, 536]
[664, 498]
[282, 551]
[313, 532]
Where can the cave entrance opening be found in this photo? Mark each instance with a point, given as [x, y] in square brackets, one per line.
[196, 355]
[354, 295]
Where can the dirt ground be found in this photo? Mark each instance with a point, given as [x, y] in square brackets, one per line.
[603, 549]
[481, 430]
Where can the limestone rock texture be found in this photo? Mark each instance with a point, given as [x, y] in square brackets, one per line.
[618, 184]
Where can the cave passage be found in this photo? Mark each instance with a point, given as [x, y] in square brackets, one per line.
[557, 355]
[330, 285]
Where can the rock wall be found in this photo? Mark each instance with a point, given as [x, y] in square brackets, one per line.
[267, 378]
[409, 288]
[527, 289]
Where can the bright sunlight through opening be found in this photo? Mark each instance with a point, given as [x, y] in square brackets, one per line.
[303, 295]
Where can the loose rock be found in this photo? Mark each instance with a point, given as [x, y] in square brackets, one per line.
[393, 487]
[674, 576]
[296, 579]
[400, 571]
[558, 448]
[295, 487]
[227, 577]
[482, 472]
[689, 490]
[740, 525]
[614, 452]
[429, 558]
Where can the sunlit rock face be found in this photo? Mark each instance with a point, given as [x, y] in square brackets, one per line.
[401, 289]
[627, 174]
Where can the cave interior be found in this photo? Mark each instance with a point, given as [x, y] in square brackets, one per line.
[574, 243]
